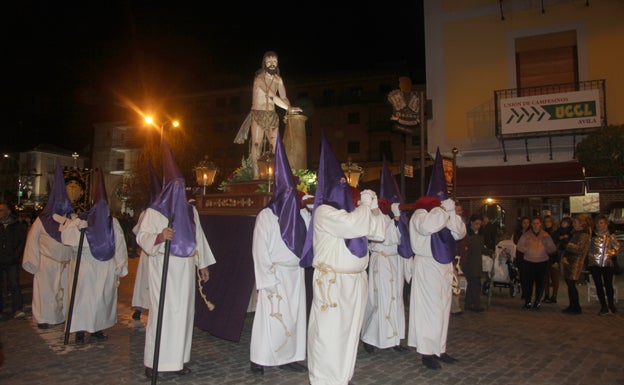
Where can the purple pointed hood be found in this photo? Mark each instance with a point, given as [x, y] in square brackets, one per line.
[443, 245]
[390, 191]
[100, 233]
[155, 184]
[332, 189]
[172, 203]
[58, 203]
[285, 202]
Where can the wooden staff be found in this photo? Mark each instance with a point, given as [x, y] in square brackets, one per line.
[161, 306]
[74, 285]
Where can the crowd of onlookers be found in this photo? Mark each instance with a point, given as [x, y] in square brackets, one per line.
[577, 249]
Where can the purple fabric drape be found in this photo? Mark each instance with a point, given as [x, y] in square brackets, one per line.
[231, 278]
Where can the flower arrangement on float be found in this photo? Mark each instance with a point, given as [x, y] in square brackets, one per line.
[305, 179]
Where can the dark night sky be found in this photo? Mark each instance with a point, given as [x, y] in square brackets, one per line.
[69, 65]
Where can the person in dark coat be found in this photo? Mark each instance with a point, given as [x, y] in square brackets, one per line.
[12, 240]
[471, 249]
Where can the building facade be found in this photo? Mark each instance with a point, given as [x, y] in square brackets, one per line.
[514, 86]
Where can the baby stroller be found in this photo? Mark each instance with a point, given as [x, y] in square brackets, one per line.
[502, 271]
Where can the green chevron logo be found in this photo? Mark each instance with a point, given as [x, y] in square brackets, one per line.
[584, 109]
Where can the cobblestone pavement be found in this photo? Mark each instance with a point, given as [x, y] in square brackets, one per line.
[503, 345]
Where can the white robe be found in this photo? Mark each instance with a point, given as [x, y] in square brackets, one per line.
[140, 295]
[179, 307]
[48, 260]
[338, 307]
[95, 303]
[430, 299]
[278, 335]
[384, 318]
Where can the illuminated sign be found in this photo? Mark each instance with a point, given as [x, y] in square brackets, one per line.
[551, 112]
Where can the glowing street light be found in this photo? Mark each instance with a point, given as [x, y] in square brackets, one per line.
[150, 121]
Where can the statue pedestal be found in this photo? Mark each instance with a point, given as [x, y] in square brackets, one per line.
[295, 141]
[239, 198]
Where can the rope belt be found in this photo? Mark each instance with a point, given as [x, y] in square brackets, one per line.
[392, 303]
[328, 273]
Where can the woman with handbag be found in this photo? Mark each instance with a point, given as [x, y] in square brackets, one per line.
[574, 258]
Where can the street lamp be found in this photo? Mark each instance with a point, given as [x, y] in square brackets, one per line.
[352, 172]
[150, 121]
[205, 173]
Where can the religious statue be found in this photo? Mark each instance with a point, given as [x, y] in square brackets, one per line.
[405, 106]
[268, 91]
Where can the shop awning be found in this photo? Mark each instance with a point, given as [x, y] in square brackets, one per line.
[531, 180]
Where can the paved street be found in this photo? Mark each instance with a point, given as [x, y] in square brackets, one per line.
[503, 345]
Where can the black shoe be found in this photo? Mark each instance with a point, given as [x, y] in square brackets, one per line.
[553, 299]
[447, 359]
[603, 310]
[80, 338]
[528, 305]
[185, 370]
[613, 309]
[255, 368]
[148, 372]
[369, 348]
[43, 325]
[573, 311]
[547, 299]
[537, 306]
[458, 313]
[99, 335]
[430, 362]
[294, 367]
[400, 349]
[136, 315]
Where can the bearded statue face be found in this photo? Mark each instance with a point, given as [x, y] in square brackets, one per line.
[270, 64]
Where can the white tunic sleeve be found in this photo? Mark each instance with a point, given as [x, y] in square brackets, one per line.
[205, 257]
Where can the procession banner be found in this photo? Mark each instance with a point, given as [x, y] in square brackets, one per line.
[552, 112]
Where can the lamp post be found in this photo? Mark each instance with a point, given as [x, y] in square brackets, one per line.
[205, 173]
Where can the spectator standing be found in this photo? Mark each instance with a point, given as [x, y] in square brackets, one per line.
[472, 248]
[574, 257]
[12, 240]
[552, 274]
[603, 247]
[561, 238]
[524, 224]
[489, 231]
[536, 244]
